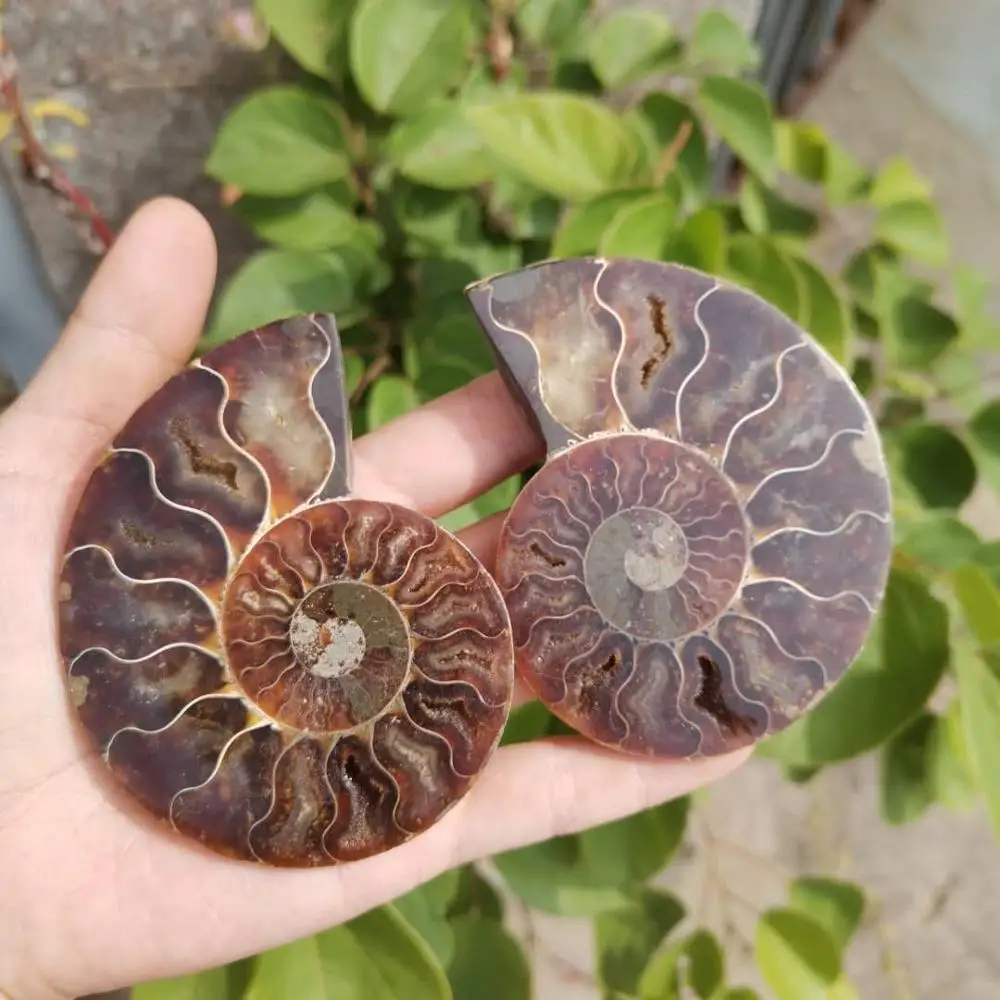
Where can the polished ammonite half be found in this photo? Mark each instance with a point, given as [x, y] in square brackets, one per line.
[284, 672]
[703, 553]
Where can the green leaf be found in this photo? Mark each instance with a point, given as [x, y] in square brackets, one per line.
[493, 501]
[476, 897]
[281, 140]
[914, 228]
[662, 978]
[706, 964]
[823, 311]
[552, 877]
[426, 910]
[741, 113]
[796, 956]
[376, 956]
[546, 23]
[564, 144]
[804, 150]
[405, 53]
[989, 559]
[633, 849]
[862, 272]
[897, 181]
[721, 41]
[757, 263]
[276, 284]
[318, 220]
[436, 221]
[695, 963]
[972, 288]
[984, 431]
[488, 964]
[520, 210]
[940, 541]
[629, 45]
[440, 148]
[300, 968]
[905, 784]
[526, 722]
[657, 120]
[835, 905]
[801, 149]
[917, 334]
[700, 242]
[980, 602]
[952, 769]
[846, 179]
[626, 938]
[935, 462]
[764, 211]
[979, 691]
[448, 351]
[312, 31]
[959, 377]
[575, 74]
[640, 229]
[225, 983]
[389, 398]
[898, 669]
[580, 231]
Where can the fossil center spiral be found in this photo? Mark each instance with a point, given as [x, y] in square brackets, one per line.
[332, 627]
[653, 531]
[653, 547]
[312, 642]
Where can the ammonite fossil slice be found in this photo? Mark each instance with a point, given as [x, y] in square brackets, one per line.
[703, 552]
[283, 672]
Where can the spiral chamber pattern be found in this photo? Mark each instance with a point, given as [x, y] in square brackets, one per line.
[704, 552]
[281, 671]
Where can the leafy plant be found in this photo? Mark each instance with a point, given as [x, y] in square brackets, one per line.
[431, 142]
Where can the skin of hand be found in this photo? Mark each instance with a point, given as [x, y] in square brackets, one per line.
[94, 895]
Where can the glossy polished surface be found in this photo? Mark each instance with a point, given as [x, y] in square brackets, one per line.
[286, 673]
[703, 553]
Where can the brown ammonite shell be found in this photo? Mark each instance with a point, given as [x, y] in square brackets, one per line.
[703, 553]
[281, 671]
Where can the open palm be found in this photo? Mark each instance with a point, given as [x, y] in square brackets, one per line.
[92, 894]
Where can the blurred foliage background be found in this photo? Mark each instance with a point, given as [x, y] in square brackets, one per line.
[428, 143]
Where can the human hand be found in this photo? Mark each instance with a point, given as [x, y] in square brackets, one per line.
[94, 895]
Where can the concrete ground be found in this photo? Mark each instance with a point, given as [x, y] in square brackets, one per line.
[157, 76]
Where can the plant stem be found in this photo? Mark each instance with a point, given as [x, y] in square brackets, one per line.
[41, 168]
[668, 158]
[382, 361]
[499, 40]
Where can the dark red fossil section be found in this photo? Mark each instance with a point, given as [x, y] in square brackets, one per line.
[705, 550]
[285, 673]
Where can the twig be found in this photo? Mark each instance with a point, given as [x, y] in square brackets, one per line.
[713, 883]
[537, 949]
[768, 865]
[673, 149]
[500, 40]
[380, 364]
[39, 167]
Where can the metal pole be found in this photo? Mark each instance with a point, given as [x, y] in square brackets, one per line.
[31, 315]
[789, 34]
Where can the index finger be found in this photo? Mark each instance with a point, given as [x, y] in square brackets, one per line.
[450, 450]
